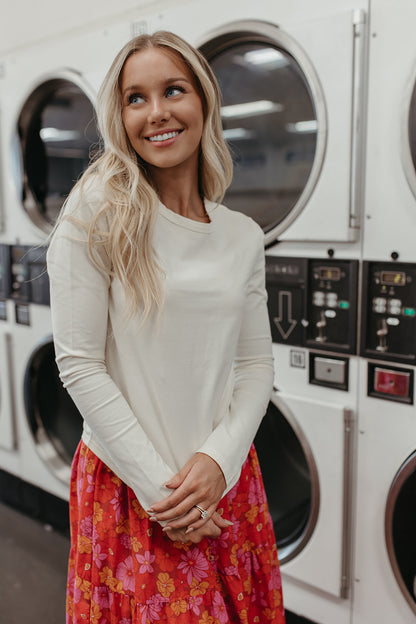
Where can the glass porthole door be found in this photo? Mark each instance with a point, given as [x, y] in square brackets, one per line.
[54, 421]
[290, 480]
[57, 136]
[271, 112]
[400, 529]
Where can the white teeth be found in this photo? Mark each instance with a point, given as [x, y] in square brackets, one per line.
[163, 137]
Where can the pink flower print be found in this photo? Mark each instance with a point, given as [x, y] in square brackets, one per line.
[86, 526]
[150, 611]
[275, 581]
[258, 597]
[222, 540]
[98, 556]
[91, 485]
[235, 528]
[256, 495]
[125, 573]
[219, 610]
[117, 505]
[231, 571]
[193, 564]
[125, 621]
[126, 541]
[100, 596]
[146, 561]
[194, 602]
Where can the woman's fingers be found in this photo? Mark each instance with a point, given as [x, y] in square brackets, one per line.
[210, 529]
[203, 484]
[220, 522]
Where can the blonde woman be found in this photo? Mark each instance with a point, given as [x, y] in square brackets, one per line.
[162, 340]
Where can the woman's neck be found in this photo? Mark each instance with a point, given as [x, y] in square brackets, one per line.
[181, 195]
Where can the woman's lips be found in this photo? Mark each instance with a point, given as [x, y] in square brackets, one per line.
[163, 136]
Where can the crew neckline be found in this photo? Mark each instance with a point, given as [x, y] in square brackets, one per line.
[186, 222]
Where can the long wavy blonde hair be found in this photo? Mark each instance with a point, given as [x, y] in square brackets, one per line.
[130, 200]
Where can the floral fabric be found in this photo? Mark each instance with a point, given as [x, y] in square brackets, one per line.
[124, 570]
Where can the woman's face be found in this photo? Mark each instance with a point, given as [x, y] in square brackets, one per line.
[162, 110]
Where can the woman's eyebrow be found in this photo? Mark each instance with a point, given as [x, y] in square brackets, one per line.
[137, 87]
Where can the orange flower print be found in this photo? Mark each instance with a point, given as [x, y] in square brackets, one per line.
[165, 584]
[106, 577]
[84, 544]
[179, 606]
[123, 526]
[198, 588]
[206, 619]
[95, 613]
[138, 509]
[252, 514]
[98, 513]
[135, 544]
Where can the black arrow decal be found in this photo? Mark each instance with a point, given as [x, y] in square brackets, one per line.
[284, 322]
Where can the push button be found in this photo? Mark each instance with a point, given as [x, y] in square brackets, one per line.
[395, 383]
[329, 371]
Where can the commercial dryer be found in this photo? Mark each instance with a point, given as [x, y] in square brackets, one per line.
[386, 546]
[49, 134]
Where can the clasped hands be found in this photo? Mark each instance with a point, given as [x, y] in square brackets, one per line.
[200, 482]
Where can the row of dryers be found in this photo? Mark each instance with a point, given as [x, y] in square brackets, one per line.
[311, 113]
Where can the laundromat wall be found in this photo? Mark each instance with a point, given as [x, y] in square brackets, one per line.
[319, 108]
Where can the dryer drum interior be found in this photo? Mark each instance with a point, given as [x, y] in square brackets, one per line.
[401, 529]
[57, 136]
[290, 480]
[54, 420]
[270, 118]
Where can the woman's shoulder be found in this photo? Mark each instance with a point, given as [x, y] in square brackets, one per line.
[238, 222]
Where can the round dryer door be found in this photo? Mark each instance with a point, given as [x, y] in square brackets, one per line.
[273, 119]
[400, 529]
[290, 478]
[53, 418]
[57, 137]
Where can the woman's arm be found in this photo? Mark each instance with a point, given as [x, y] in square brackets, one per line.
[221, 457]
[79, 305]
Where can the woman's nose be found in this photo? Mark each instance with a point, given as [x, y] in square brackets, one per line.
[158, 111]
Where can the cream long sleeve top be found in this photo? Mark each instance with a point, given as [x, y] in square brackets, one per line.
[196, 379]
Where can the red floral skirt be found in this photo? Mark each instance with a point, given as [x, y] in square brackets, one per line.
[124, 570]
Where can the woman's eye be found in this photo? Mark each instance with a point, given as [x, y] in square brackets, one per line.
[170, 91]
[135, 98]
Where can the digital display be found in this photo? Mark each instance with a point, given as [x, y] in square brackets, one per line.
[393, 278]
[329, 273]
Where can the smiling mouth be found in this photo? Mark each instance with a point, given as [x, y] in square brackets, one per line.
[163, 137]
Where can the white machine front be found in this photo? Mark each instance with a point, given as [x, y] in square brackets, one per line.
[385, 546]
[290, 121]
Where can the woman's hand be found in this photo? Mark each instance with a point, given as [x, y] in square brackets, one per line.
[200, 482]
[211, 529]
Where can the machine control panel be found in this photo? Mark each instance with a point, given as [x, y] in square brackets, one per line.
[25, 279]
[332, 304]
[389, 311]
[286, 286]
[313, 302]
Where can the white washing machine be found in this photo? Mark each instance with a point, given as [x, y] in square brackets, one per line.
[48, 134]
[386, 546]
[293, 125]
[386, 511]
